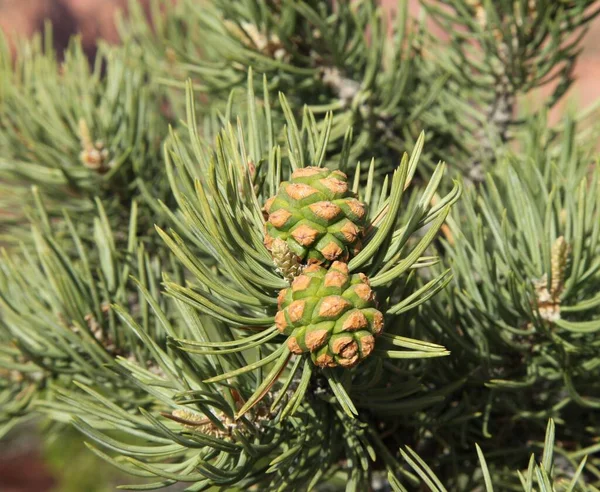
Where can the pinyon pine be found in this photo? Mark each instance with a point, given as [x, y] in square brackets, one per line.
[234, 257]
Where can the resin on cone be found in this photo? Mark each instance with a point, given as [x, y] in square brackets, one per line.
[317, 215]
[331, 314]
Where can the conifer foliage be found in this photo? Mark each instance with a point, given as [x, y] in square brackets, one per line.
[234, 257]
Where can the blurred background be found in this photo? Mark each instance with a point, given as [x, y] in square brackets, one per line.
[94, 19]
[26, 465]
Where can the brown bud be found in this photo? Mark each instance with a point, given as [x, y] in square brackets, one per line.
[305, 172]
[281, 297]
[301, 282]
[367, 344]
[357, 207]
[325, 360]
[340, 266]
[342, 343]
[316, 339]
[377, 325]
[364, 279]
[292, 344]
[335, 279]
[364, 292]
[268, 241]
[269, 203]
[350, 362]
[350, 232]
[335, 185]
[349, 350]
[280, 321]
[279, 217]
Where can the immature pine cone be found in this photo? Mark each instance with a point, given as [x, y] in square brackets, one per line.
[317, 215]
[330, 314]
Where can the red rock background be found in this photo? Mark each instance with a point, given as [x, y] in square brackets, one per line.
[25, 471]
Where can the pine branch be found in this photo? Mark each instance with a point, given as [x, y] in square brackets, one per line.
[224, 405]
[507, 50]
[330, 57]
[547, 474]
[522, 309]
[77, 132]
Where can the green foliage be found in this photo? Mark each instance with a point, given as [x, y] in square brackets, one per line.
[229, 404]
[165, 347]
[86, 351]
[502, 50]
[19, 386]
[57, 323]
[545, 474]
[214, 186]
[77, 131]
[387, 79]
[334, 58]
[521, 314]
[525, 263]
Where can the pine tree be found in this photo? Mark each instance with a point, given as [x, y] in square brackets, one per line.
[234, 256]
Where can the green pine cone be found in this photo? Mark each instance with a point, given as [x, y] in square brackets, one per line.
[317, 215]
[330, 314]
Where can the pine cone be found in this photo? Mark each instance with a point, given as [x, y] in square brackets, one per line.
[330, 314]
[317, 215]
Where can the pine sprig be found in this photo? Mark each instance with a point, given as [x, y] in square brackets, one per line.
[56, 311]
[243, 292]
[78, 131]
[228, 406]
[522, 310]
[334, 58]
[288, 325]
[545, 474]
[506, 50]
